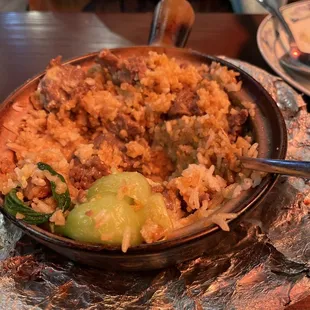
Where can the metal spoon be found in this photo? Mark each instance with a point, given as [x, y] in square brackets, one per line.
[295, 59]
[284, 167]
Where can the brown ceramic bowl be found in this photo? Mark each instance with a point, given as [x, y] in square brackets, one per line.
[267, 126]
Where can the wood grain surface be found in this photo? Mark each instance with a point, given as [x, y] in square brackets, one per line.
[29, 40]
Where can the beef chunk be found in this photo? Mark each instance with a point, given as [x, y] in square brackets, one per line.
[124, 123]
[235, 122]
[111, 139]
[136, 65]
[58, 84]
[184, 104]
[82, 176]
[98, 141]
[172, 199]
[128, 70]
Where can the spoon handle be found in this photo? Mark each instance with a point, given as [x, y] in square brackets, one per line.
[285, 167]
[273, 8]
[172, 23]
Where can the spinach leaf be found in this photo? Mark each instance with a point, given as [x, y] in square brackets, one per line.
[13, 205]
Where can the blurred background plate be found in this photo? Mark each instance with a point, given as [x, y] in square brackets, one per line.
[272, 41]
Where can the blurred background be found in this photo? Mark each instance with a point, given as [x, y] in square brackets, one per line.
[237, 6]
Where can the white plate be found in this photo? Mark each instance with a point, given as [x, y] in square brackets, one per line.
[272, 41]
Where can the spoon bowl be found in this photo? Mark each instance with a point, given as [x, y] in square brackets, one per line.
[295, 59]
[287, 61]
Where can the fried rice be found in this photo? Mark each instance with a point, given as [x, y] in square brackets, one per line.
[169, 120]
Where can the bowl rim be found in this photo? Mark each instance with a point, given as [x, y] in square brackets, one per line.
[266, 185]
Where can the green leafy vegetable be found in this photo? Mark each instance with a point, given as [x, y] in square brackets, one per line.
[13, 205]
[63, 200]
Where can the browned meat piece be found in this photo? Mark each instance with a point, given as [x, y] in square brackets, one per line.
[137, 67]
[172, 200]
[98, 141]
[110, 138]
[125, 123]
[58, 84]
[55, 62]
[34, 191]
[127, 70]
[107, 59]
[184, 104]
[82, 176]
[238, 119]
[235, 122]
